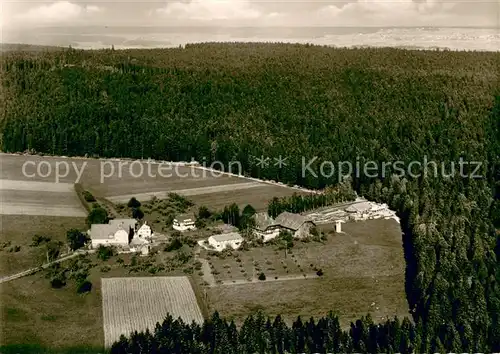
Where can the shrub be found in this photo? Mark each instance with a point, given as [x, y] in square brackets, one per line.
[104, 253]
[57, 282]
[37, 240]
[319, 273]
[175, 244]
[137, 213]
[84, 287]
[133, 203]
[262, 276]
[88, 196]
[97, 215]
[105, 269]
[188, 270]
[76, 239]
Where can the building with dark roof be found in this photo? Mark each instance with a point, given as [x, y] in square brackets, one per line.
[268, 228]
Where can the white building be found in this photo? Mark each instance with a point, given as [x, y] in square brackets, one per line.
[359, 208]
[121, 233]
[184, 223]
[265, 227]
[338, 225]
[222, 241]
[145, 231]
[112, 234]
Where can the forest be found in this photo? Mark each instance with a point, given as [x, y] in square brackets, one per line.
[259, 334]
[235, 101]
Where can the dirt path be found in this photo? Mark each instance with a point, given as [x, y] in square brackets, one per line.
[255, 280]
[207, 272]
[208, 277]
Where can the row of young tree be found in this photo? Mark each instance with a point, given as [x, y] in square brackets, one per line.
[299, 203]
[313, 106]
[260, 334]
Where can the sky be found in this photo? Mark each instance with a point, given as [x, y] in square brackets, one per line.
[25, 15]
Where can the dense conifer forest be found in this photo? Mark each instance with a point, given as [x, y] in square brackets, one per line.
[236, 101]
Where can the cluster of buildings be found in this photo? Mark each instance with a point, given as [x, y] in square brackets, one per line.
[359, 211]
[266, 229]
[128, 236]
[124, 234]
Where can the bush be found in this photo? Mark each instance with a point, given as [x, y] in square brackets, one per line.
[137, 213]
[319, 273]
[76, 239]
[104, 253]
[37, 240]
[175, 244]
[84, 286]
[262, 276]
[88, 196]
[204, 213]
[97, 215]
[57, 282]
[133, 203]
[105, 269]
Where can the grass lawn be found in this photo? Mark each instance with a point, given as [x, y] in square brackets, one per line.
[19, 231]
[363, 272]
[35, 314]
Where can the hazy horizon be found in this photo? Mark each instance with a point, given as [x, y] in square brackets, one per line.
[122, 37]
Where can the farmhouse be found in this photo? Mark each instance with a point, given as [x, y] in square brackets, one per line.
[184, 222]
[121, 233]
[144, 231]
[266, 228]
[299, 225]
[220, 242]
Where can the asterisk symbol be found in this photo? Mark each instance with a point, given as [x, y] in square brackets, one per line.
[262, 162]
[280, 161]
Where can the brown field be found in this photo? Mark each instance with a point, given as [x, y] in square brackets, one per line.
[29, 202]
[20, 229]
[139, 303]
[203, 187]
[257, 197]
[362, 267]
